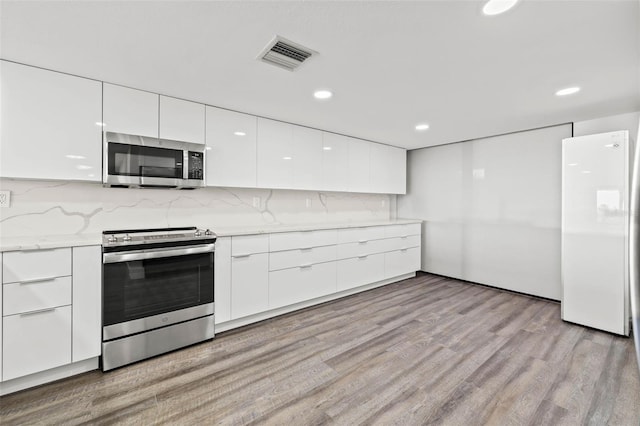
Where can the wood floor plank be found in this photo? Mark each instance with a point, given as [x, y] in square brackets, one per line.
[427, 350]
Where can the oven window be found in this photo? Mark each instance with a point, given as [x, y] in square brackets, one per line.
[135, 160]
[142, 288]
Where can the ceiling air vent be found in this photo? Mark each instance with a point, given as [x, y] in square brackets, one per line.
[285, 54]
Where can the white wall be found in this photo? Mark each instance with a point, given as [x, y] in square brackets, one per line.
[55, 208]
[629, 121]
[491, 209]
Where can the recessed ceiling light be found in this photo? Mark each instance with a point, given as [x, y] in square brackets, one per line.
[496, 7]
[422, 127]
[322, 94]
[326, 148]
[239, 133]
[567, 91]
[286, 158]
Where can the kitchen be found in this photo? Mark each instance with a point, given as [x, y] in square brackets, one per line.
[351, 194]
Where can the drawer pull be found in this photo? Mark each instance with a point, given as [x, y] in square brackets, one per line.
[306, 248]
[305, 266]
[39, 311]
[404, 237]
[363, 241]
[363, 256]
[404, 249]
[37, 280]
[235, 256]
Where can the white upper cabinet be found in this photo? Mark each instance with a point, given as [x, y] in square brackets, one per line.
[50, 124]
[335, 162]
[231, 148]
[359, 167]
[307, 158]
[130, 111]
[388, 169]
[275, 154]
[181, 120]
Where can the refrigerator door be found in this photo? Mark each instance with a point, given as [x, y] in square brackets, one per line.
[595, 229]
[634, 252]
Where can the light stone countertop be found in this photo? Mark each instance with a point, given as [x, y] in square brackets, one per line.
[77, 240]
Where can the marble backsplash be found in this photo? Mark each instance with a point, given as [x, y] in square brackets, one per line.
[57, 208]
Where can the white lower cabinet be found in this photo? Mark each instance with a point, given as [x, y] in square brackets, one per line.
[359, 271]
[293, 285]
[222, 280]
[249, 284]
[36, 341]
[87, 302]
[401, 262]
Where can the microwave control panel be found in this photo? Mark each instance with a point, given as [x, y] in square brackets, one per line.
[196, 165]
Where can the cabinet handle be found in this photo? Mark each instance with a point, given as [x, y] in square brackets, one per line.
[364, 256]
[241, 255]
[39, 311]
[404, 237]
[306, 249]
[363, 241]
[305, 266]
[403, 250]
[37, 280]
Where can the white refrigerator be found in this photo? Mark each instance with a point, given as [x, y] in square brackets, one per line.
[596, 185]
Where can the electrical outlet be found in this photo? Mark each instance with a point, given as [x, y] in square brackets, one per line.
[256, 202]
[5, 198]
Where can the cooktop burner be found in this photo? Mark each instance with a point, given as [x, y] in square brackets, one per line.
[158, 235]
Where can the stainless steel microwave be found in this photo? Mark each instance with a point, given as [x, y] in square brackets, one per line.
[144, 162]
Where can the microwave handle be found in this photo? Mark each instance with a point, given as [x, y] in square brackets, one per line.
[156, 253]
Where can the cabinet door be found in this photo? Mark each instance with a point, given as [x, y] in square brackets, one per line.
[181, 120]
[222, 280]
[388, 169]
[87, 302]
[307, 155]
[36, 341]
[359, 271]
[1, 314]
[51, 124]
[359, 167]
[231, 148]
[335, 162]
[289, 286]
[36, 264]
[401, 262]
[275, 154]
[249, 284]
[130, 111]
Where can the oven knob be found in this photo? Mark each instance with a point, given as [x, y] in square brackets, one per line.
[112, 239]
[126, 237]
[208, 233]
[198, 233]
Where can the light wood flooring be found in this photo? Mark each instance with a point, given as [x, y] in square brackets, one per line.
[428, 350]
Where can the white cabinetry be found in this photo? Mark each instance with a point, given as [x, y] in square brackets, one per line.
[335, 162]
[51, 309]
[301, 283]
[388, 169]
[50, 124]
[359, 166]
[231, 148]
[181, 120]
[130, 111]
[249, 275]
[275, 154]
[595, 220]
[222, 280]
[307, 158]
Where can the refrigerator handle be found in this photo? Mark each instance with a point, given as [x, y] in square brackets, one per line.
[634, 251]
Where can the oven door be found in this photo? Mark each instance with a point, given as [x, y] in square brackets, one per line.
[152, 288]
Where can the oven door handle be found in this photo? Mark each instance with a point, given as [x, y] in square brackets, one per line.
[156, 253]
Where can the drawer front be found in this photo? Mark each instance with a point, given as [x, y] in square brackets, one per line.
[350, 250]
[20, 298]
[248, 244]
[36, 264]
[401, 262]
[36, 342]
[401, 243]
[403, 230]
[360, 271]
[289, 286]
[305, 239]
[301, 257]
[350, 235]
[249, 285]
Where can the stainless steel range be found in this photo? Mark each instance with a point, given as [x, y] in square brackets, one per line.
[157, 292]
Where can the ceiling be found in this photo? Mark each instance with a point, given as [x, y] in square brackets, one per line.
[390, 64]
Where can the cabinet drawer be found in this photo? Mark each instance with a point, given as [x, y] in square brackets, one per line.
[349, 235]
[249, 284]
[364, 248]
[304, 239]
[401, 243]
[20, 298]
[301, 257]
[36, 342]
[403, 230]
[401, 262]
[36, 264]
[249, 244]
[360, 271]
[294, 285]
